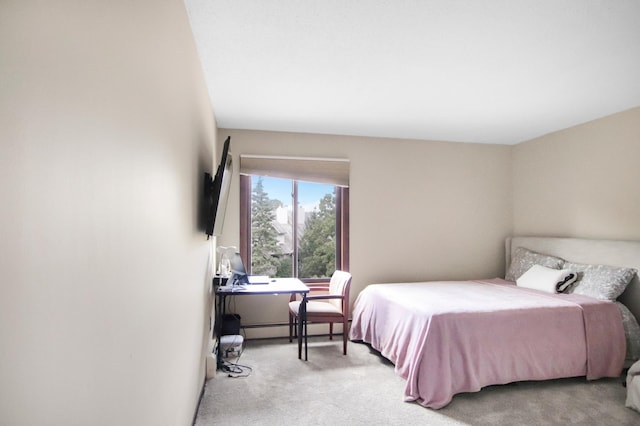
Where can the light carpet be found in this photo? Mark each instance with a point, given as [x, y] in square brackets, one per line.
[363, 389]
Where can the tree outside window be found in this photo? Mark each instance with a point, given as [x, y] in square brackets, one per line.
[317, 246]
[292, 221]
[265, 251]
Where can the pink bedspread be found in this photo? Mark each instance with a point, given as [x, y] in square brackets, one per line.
[451, 337]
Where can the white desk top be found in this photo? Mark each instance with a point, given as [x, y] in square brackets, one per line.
[275, 286]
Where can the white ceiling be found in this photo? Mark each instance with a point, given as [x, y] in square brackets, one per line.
[495, 71]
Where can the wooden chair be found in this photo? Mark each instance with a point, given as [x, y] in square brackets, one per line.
[326, 303]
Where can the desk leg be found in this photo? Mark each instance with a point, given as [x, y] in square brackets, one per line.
[305, 328]
[219, 316]
[302, 327]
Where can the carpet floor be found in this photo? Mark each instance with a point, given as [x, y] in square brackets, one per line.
[271, 386]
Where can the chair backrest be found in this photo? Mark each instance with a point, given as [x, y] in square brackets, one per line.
[340, 284]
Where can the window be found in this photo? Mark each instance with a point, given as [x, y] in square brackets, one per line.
[293, 228]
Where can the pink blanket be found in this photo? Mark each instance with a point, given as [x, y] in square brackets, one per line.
[450, 337]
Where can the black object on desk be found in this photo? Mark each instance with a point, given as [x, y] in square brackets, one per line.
[275, 286]
[218, 280]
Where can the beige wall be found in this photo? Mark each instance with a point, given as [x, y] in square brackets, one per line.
[418, 209]
[106, 128]
[580, 182]
[446, 207]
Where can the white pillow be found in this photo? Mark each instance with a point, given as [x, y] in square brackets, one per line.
[540, 277]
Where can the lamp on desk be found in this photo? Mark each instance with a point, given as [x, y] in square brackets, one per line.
[224, 268]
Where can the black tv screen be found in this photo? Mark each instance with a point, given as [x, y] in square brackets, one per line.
[216, 192]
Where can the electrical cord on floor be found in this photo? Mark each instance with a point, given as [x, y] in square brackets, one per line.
[235, 370]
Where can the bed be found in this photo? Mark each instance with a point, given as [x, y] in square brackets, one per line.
[450, 337]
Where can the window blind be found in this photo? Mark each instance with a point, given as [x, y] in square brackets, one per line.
[334, 171]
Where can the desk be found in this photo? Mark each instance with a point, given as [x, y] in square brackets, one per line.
[276, 286]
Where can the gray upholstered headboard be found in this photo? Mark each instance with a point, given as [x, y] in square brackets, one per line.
[579, 250]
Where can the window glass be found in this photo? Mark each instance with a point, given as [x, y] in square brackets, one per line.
[317, 237]
[271, 227]
[292, 222]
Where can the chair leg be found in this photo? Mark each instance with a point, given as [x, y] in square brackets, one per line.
[330, 331]
[345, 333]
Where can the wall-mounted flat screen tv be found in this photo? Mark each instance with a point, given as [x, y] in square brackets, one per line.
[216, 192]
